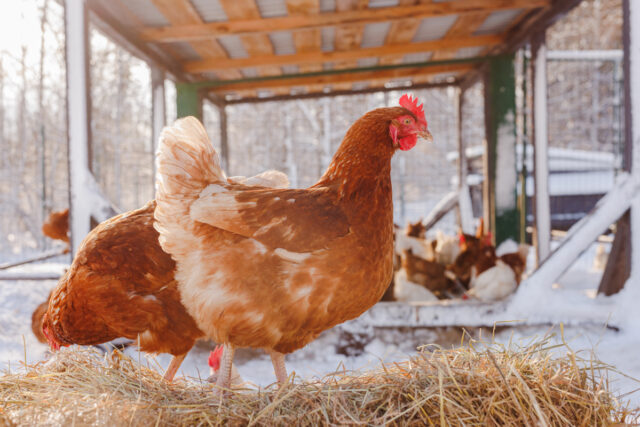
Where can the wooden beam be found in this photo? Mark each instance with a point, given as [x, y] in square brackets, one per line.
[188, 101]
[349, 76]
[158, 113]
[224, 139]
[319, 57]
[501, 174]
[542, 205]
[254, 44]
[400, 32]
[348, 38]
[186, 32]
[322, 94]
[182, 12]
[78, 118]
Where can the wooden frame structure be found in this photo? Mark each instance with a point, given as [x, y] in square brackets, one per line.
[248, 51]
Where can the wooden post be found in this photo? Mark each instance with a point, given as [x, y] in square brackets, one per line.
[158, 112]
[501, 214]
[78, 117]
[188, 100]
[619, 263]
[224, 139]
[464, 198]
[542, 206]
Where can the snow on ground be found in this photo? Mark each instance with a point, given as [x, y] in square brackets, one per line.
[620, 348]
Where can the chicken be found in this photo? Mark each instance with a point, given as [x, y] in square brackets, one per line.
[446, 248]
[493, 284]
[275, 268]
[428, 274]
[408, 291]
[517, 261]
[36, 320]
[121, 284]
[475, 251]
[214, 368]
[56, 226]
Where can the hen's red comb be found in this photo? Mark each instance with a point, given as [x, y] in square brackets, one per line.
[214, 358]
[411, 104]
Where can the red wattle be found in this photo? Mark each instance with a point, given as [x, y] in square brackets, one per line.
[408, 142]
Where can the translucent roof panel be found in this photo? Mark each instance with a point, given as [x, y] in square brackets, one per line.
[328, 36]
[272, 8]
[498, 21]
[375, 34]
[210, 10]
[234, 47]
[147, 13]
[185, 51]
[282, 42]
[434, 28]
[327, 5]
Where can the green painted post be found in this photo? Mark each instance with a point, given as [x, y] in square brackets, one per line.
[188, 100]
[501, 177]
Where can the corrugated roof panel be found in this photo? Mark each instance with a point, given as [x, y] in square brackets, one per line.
[210, 10]
[469, 52]
[186, 52]
[383, 3]
[272, 8]
[328, 35]
[411, 58]
[367, 62]
[147, 13]
[282, 42]
[234, 47]
[434, 28]
[290, 69]
[249, 72]
[327, 5]
[498, 21]
[375, 34]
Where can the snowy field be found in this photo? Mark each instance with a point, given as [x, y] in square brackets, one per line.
[620, 349]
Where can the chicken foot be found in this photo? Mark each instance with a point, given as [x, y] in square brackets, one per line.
[279, 367]
[173, 367]
[224, 374]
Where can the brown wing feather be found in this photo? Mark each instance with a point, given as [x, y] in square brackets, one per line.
[295, 220]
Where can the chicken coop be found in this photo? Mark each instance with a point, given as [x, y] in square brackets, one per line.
[513, 143]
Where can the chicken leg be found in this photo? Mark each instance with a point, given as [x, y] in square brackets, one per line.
[173, 367]
[279, 367]
[224, 375]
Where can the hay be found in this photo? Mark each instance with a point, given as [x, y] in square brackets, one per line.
[472, 385]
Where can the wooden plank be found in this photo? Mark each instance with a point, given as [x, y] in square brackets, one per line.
[321, 94]
[501, 174]
[307, 41]
[347, 77]
[348, 38]
[336, 56]
[400, 32]
[78, 118]
[254, 44]
[158, 113]
[542, 205]
[464, 26]
[186, 32]
[182, 12]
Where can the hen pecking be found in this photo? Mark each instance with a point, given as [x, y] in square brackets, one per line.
[272, 269]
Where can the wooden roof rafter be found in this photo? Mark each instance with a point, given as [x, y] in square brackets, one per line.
[327, 19]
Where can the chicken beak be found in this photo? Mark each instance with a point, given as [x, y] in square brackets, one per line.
[426, 135]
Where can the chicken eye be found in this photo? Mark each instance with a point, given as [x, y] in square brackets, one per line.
[407, 121]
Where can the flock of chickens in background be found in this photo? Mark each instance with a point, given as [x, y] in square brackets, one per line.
[448, 267]
[318, 253]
